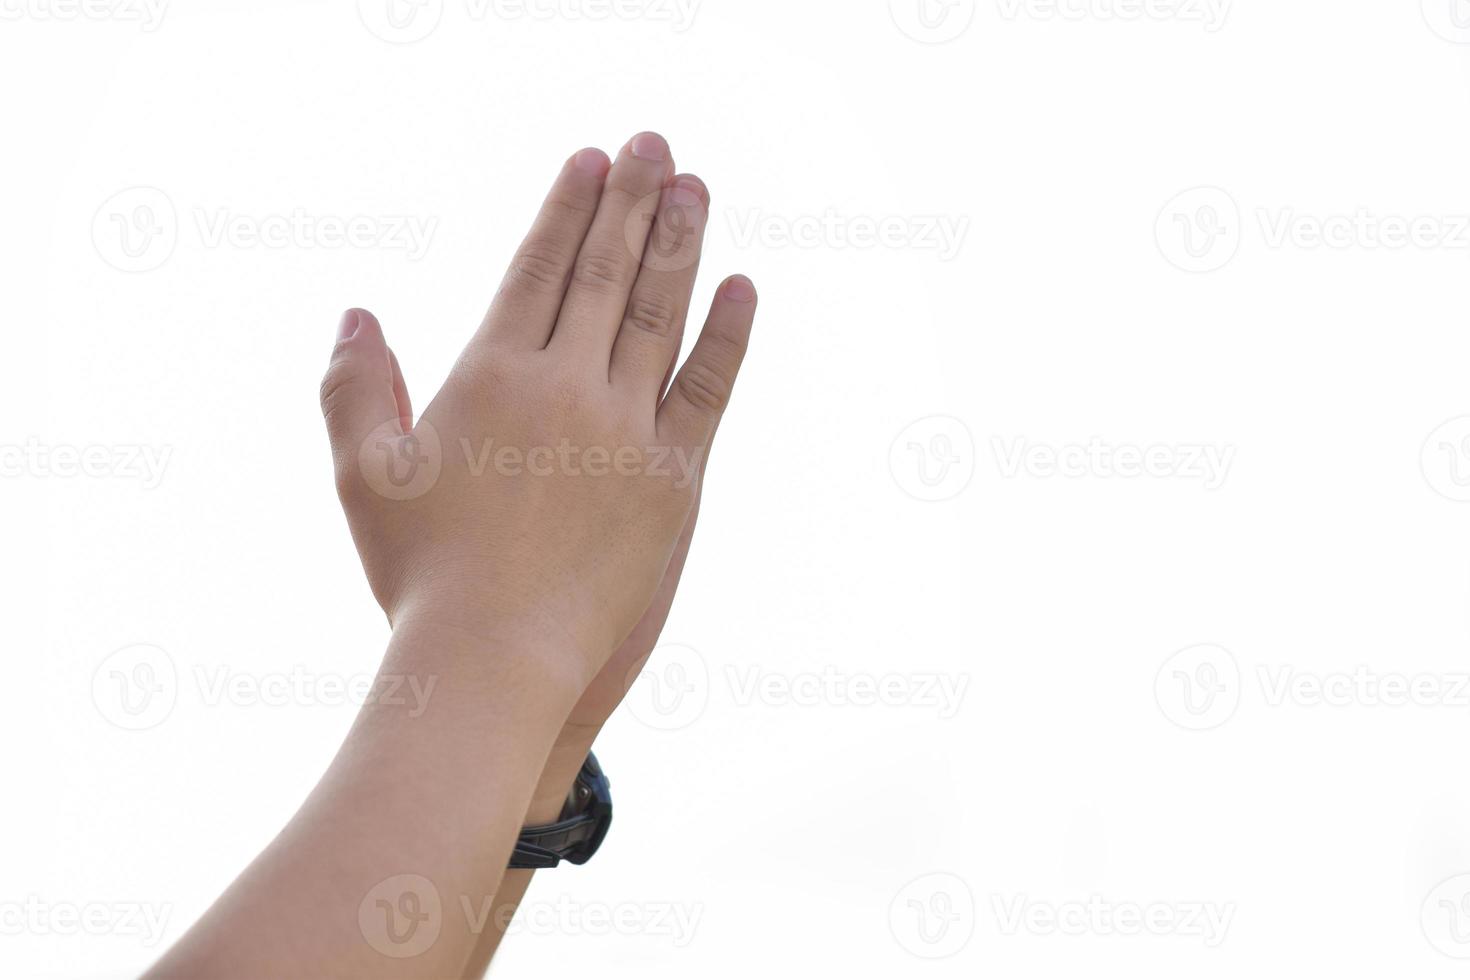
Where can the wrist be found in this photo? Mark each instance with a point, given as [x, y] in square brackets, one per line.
[557, 777]
[480, 651]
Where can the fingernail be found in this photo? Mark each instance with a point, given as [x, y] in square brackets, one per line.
[348, 326]
[650, 146]
[591, 161]
[684, 196]
[740, 289]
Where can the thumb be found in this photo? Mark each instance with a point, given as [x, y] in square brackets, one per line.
[362, 392]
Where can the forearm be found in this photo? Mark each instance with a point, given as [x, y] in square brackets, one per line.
[440, 794]
[550, 796]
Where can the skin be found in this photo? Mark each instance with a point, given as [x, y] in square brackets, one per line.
[525, 538]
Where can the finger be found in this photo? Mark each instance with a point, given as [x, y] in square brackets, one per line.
[530, 295]
[653, 323]
[701, 390]
[607, 266]
[400, 394]
[358, 391]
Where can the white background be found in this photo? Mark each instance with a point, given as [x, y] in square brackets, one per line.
[820, 833]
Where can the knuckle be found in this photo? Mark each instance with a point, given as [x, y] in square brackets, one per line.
[538, 266]
[624, 197]
[600, 269]
[728, 351]
[704, 387]
[346, 478]
[332, 392]
[571, 208]
[653, 315]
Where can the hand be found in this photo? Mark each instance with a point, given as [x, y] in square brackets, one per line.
[539, 501]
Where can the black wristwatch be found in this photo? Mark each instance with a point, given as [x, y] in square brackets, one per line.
[576, 836]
